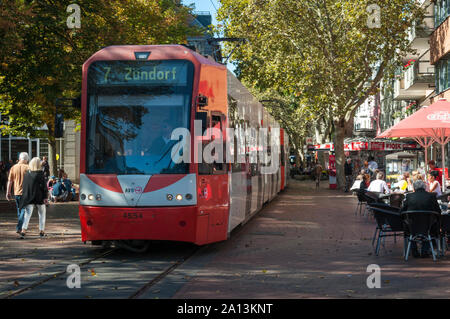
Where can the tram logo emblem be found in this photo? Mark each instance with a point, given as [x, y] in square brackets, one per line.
[442, 116]
[136, 190]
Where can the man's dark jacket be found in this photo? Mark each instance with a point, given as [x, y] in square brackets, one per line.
[421, 200]
[348, 168]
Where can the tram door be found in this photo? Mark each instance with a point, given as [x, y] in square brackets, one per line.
[213, 181]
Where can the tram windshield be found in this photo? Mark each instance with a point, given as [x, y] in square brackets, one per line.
[133, 108]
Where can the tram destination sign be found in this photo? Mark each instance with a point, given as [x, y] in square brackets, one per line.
[139, 72]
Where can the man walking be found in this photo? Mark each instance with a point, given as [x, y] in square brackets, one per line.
[317, 174]
[16, 175]
[348, 170]
[373, 166]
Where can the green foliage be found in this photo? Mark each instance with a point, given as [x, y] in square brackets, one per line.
[41, 57]
[324, 51]
[321, 50]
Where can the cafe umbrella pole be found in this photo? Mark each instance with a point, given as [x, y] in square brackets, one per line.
[425, 143]
[439, 136]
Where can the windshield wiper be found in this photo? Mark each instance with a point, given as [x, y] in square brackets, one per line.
[165, 153]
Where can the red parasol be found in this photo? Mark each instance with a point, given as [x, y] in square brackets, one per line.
[426, 126]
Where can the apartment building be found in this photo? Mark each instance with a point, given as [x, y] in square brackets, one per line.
[365, 121]
[414, 84]
[440, 49]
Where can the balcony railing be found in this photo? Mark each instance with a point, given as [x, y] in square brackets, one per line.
[422, 30]
[422, 72]
[399, 86]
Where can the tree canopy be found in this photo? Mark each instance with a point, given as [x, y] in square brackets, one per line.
[330, 54]
[41, 57]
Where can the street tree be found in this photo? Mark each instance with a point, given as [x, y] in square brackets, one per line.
[331, 53]
[41, 52]
[287, 110]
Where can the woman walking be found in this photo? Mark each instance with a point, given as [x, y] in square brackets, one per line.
[34, 194]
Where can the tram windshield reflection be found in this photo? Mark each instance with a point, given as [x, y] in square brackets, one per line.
[129, 127]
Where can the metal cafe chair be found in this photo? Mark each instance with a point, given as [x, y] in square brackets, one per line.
[389, 223]
[396, 200]
[382, 206]
[373, 197]
[422, 226]
[445, 232]
[362, 202]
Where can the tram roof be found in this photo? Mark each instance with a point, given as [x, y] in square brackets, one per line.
[158, 52]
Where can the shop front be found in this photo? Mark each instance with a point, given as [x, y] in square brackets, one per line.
[360, 150]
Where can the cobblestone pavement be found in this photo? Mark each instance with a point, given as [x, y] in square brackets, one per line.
[310, 244]
[306, 243]
[29, 257]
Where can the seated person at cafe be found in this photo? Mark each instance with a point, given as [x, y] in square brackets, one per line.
[357, 184]
[434, 185]
[433, 168]
[421, 200]
[409, 181]
[364, 183]
[379, 185]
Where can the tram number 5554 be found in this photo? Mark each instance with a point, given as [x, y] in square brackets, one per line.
[132, 215]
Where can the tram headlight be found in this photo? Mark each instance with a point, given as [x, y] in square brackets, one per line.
[169, 197]
[188, 196]
[83, 196]
[91, 196]
[179, 197]
[98, 197]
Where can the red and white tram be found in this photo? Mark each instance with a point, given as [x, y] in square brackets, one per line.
[130, 190]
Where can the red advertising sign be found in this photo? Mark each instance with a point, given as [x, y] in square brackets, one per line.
[332, 162]
[411, 146]
[359, 146]
[392, 146]
[377, 146]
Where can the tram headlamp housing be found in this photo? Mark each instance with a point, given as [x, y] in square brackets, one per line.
[169, 197]
[91, 196]
[83, 196]
[98, 197]
[179, 197]
[188, 196]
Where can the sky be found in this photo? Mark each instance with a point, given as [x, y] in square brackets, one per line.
[205, 5]
[211, 6]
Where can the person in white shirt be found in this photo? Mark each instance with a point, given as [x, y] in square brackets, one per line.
[357, 184]
[435, 186]
[379, 185]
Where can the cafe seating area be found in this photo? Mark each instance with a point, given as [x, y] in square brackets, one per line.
[424, 228]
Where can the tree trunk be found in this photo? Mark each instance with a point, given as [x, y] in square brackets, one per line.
[339, 136]
[52, 156]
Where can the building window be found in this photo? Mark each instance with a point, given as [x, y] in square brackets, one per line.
[442, 11]
[442, 75]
